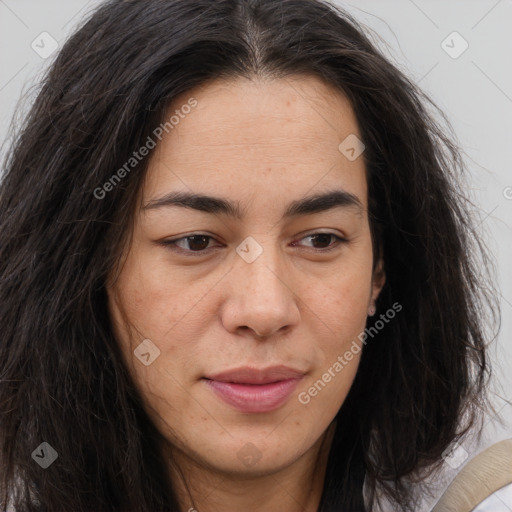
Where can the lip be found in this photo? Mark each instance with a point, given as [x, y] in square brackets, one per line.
[254, 390]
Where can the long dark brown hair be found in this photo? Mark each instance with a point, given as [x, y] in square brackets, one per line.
[62, 377]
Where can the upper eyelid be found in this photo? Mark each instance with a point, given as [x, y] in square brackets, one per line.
[212, 237]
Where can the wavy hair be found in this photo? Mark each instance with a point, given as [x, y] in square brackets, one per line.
[421, 380]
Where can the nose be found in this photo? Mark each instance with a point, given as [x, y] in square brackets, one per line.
[261, 300]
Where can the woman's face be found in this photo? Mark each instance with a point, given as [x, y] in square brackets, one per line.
[249, 319]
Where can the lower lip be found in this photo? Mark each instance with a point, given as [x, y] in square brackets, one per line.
[254, 398]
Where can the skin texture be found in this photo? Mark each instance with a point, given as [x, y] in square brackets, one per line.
[262, 143]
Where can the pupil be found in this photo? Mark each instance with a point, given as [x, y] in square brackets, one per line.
[326, 239]
[193, 244]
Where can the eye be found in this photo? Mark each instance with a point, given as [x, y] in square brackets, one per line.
[191, 245]
[322, 242]
[199, 244]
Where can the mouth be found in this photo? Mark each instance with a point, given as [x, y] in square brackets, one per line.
[250, 390]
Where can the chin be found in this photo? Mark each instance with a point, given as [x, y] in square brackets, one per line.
[252, 456]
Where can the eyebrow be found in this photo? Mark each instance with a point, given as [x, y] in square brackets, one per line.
[216, 205]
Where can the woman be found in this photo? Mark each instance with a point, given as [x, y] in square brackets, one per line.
[237, 271]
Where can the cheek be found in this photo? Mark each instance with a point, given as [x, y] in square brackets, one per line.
[341, 312]
[154, 300]
[341, 305]
[149, 308]
[342, 297]
[167, 309]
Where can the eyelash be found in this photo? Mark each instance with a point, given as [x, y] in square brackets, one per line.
[172, 244]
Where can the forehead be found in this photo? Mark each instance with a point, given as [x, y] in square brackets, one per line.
[249, 138]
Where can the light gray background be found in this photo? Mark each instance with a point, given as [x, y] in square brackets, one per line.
[474, 90]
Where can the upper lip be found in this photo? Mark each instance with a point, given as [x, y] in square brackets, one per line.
[249, 375]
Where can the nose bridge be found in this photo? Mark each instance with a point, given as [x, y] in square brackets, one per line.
[260, 267]
[261, 299]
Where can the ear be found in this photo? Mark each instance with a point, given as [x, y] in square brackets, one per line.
[378, 280]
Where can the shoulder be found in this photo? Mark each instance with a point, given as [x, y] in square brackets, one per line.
[476, 471]
[499, 501]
